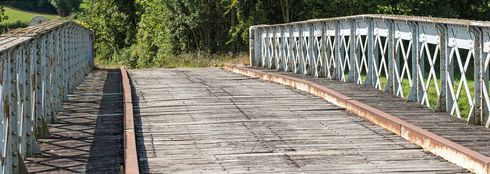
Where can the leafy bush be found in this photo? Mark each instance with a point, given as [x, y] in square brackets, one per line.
[148, 33]
[9, 26]
[115, 25]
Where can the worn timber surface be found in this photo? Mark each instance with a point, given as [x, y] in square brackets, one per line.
[473, 137]
[211, 121]
[87, 137]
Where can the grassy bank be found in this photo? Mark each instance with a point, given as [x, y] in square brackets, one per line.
[463, 102]
[16, 15]
[19, 19]
[189, 60]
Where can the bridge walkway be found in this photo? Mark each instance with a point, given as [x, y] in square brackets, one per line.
[87, 136]
[211, 121]
[474, 137]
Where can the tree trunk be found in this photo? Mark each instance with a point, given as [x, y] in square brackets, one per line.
[285, 8]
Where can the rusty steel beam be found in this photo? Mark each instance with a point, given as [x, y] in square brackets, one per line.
[130, 153]
[431, 142]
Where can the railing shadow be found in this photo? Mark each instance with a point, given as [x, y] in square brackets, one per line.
[106, 150]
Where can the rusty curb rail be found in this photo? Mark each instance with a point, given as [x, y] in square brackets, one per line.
[429, 141]
[130, 153]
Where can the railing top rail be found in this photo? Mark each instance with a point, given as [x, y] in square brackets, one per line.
[36, 30]
[18, 36]
[450, 21]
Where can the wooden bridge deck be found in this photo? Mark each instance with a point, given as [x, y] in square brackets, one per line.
[87, 137]
[474, 137]
[211, 121]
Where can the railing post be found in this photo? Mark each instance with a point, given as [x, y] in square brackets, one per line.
[272, 48]
[311, 51]
[484, 63]
[303, 55]
[277, 48]
[370, 80]
[322, 52]
[444, 62]
[12, 122]
[266, 62]
[26, 130]
[338, 55]
[291, 56]
[33, 87]
[390, 57]
[352, 53]
[478, 74]
[4, 95]
[413, 95]
[284, 49]
[264, 46]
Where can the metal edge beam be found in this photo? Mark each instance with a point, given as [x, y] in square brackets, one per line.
[130, 153]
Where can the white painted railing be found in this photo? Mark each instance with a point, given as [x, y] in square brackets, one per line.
[440, 63]
[39, 65]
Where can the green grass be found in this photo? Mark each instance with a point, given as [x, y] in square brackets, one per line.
[463, 102]
[194, 61]
[189, 60]
[19, 19]
[15, 16]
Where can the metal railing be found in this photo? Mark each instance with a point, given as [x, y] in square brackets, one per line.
[440, 63]
[39, 65]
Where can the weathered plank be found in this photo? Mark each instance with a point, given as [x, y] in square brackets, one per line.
[87, 137]
[211, 121]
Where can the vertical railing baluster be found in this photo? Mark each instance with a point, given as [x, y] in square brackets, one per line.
[310, 50]
[4, 70]
[372, 56]
[300, 50]
[283, 50]
[485, 76]
[444, 62]
[338, 53]
[12, 136]
[477, 77]
[352, 54]
[413, 95]
[390, 57]
[252, 33]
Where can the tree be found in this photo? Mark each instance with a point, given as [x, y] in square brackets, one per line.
[115, 25]
[65, 7]
[149, 32]
[2, 13]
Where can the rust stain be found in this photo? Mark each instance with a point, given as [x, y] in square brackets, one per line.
[130, 154]
[6, 108]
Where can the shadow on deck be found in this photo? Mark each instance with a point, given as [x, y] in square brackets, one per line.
[87, 137]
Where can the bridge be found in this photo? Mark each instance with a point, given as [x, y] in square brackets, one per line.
[356, 94]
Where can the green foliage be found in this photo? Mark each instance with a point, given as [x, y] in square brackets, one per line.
[3, 17]
[146, 33]
[115, 25]
[39, 6]
[62, 7]
[4, 27]
[65, 7]
[153, 35]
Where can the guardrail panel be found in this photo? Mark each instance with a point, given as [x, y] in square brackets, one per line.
[440, 63]
[39, 65]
